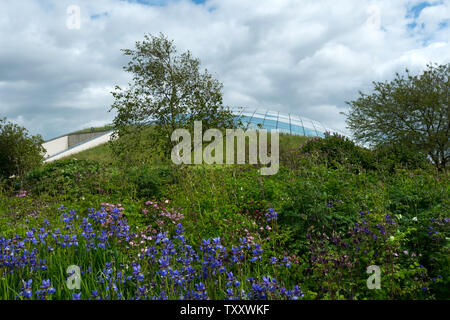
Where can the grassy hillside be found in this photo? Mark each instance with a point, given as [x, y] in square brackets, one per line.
[103, 153]
[100, 153]
[94, 129]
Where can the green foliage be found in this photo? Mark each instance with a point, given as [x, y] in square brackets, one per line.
[151, 183]
[412, 111]
[169, 91]
[101, 154]
[338, 261]
[77, 179]
[318, 196]
[140, 145]
[335, 150]
[63, 177]
[19, 152]
[391, 156]
[318, 200]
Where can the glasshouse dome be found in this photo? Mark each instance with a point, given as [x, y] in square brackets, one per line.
[252, 118]
[283, 122]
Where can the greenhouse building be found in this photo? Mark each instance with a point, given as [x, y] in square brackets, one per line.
[252, 118]
[283, 122]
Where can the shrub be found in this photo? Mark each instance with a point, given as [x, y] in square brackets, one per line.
[391, 156]
[69, 177]
[19, 152]
[336, 149]
[338, 261]
[150, 182]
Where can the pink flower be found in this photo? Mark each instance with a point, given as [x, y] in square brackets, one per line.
[22, 194]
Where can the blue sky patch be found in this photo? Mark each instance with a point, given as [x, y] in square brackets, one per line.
[99, 15]
[444, 24]
[415, 11]
[160, 2]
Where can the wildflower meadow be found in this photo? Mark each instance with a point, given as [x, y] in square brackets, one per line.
[85, 229]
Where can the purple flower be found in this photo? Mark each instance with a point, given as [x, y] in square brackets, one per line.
[76, 296]
[46, 287]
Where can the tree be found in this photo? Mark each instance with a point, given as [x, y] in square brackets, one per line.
[168, 91]
[19, 152]
[412, 111]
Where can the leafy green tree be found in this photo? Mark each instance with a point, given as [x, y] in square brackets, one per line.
[169, 91]
[19, 152]
[412, 111]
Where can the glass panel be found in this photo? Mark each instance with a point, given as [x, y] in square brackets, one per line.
[294, 124]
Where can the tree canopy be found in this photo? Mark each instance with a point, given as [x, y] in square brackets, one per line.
[169, 91]
[411, 110]
[19, 152]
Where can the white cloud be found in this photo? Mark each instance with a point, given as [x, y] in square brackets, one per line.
[304, 57]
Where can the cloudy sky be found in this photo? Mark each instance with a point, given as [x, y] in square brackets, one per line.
[305, 57]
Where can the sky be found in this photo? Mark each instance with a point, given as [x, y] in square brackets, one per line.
[305, 57]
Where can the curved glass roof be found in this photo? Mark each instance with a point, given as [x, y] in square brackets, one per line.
[256, 118]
